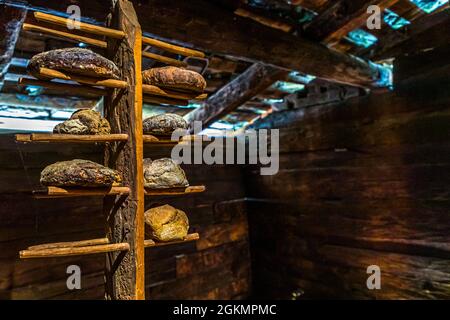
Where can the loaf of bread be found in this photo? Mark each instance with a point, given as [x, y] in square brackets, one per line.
[163, 173]
[175, 78]
[164, 124]
[76, 61]
[79, 173]
[166, 223]
[84, 121]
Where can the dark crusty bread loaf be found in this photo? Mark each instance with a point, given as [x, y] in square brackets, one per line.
[175, 78]
[79, 173]
[84, 121]
[164, 124]
[76, 61]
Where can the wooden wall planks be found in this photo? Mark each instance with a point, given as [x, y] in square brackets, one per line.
[221, 258]
[361, 183]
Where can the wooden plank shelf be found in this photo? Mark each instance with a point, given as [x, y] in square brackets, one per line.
[166, 140]
[73, 251]
[172, 48]
[65, 88]
[70, 138]
[174, 191]
[57, 192]
[82, 243]
[157, 91]
[107, 83]
[190, 237]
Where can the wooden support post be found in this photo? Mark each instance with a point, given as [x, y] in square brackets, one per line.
[123, 109]
[253, 81]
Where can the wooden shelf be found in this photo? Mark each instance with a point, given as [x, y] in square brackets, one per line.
[64, 138]
[157, 91]
[57, 192]
[189, 238]
[65, 88]
[165, 140]
[73, 251]
[107, 83]
[174, 191]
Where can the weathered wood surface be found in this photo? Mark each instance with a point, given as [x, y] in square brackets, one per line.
[11, 20]
[259, 43]
[361, 183]
[247, 85]
[26, 221]
[123, 110]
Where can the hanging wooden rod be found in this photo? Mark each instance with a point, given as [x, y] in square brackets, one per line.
[71, 36]
[70, 244]
[190, 237]
[174, 191]
[173, 48]
[73, 251]
[167, 60]
[85, 27]
[65, 87]
[109, 83]
[157, 91]
[68, 138]
[57, 192]
[163, 100]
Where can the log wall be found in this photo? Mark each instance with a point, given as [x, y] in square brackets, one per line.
[361, 183]
[215, 267]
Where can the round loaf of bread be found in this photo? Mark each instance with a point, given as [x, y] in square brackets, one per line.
[84, 121]
[166, 223]
[164, 124]
[79, 173]
[76, 61]
[175, 78]
[163, 173]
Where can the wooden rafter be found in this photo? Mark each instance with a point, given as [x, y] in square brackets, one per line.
[341, 18]
[253, 81]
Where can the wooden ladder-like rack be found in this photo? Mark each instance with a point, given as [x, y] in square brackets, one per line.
[124, 244]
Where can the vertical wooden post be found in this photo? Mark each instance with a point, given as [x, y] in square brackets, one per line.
[123, 109]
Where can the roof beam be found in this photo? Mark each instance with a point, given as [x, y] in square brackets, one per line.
[209, 27]
[253, 81]
[341, 18]
[11, 20]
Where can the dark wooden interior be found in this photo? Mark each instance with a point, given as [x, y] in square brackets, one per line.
[363, 169]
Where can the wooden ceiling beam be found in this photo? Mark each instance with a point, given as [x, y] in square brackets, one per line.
[209, 27]
[243, 88]
[11, 20]
[341, 18]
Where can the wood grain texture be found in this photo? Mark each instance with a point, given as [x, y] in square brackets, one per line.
[247, 85]
[361, 183]
[123, 110]
[67, 138]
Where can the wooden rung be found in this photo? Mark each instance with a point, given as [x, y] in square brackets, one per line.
[163, 59]
[163, 100]
[151, 139]
[173, 48]
[157, 91]
[70, 244]
[85, 27]
[62, 34]
[64, 138]
[109, 83]
[65, 87]
[55, 192]
[189, 237]
[174, 191]
[74, 251]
